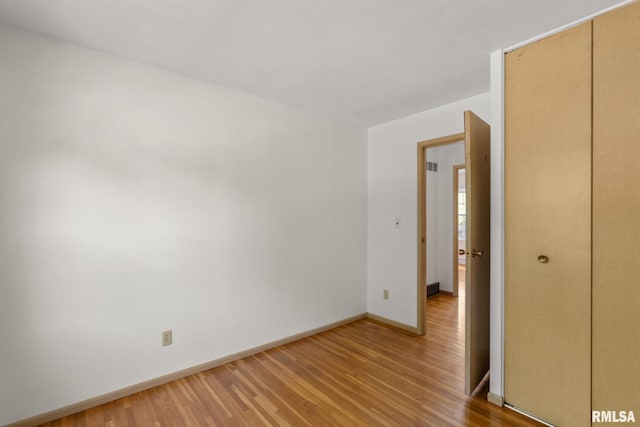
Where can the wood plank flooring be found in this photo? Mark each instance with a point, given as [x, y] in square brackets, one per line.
[361, 374]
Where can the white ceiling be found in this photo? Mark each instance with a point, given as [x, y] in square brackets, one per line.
[366, 61]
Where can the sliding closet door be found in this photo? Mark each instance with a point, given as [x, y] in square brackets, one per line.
[548, 227]
[616, 210]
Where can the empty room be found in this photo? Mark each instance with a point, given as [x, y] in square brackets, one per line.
[319, 213]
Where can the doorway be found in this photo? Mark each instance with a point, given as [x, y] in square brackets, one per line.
[459, 229]
[476, 142]
[442, 213]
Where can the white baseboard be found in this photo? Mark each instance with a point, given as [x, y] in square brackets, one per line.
[136, 388]
[495, 399]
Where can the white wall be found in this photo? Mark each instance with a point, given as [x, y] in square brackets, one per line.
[133, 200]
[392, 252]
[440, 205]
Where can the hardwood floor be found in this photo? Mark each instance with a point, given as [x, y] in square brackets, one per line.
[361, 374]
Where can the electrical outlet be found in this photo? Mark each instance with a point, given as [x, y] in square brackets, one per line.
[385, 294]
[167, 338]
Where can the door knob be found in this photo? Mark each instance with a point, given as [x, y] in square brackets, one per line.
[476, 253]
[462, 252]
[543, 259]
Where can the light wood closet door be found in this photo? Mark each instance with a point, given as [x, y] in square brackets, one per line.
[548, 214]
[616, 210]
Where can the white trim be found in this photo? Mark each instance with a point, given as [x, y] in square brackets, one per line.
[566, 27]
[496, 385]
[502, 215]
[495, 399]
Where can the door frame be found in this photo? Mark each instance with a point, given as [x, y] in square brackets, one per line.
[456, 184]
[422, 223]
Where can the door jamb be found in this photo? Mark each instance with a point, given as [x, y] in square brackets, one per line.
[422, 223]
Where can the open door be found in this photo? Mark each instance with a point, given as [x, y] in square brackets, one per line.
[477, 158]
[477, 161]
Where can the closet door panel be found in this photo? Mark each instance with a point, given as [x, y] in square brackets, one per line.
[616, 210]
[548, 214]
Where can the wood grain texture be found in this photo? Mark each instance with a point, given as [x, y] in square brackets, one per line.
[616, 205]
[361, 374]
[392, 323]
[548, 212]
[478, 187]
[117, 394]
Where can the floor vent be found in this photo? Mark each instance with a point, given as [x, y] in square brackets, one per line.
[433, 289]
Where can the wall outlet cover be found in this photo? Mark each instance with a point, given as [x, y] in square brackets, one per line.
[167, 338]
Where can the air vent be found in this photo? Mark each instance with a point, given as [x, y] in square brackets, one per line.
[432, 166]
